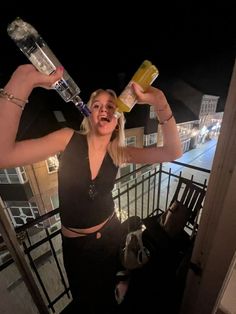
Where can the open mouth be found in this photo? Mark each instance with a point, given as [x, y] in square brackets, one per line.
[106, 119]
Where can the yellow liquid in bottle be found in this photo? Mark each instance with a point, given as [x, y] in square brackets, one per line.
[144, 76]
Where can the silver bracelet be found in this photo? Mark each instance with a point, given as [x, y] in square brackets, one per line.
[12, 98]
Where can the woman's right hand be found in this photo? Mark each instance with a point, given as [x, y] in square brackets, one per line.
[28, 75]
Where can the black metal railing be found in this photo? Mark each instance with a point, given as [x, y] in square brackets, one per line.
[151, 189]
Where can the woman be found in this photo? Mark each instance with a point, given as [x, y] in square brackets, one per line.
[89, 162]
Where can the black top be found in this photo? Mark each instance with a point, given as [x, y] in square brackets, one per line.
[84, 202]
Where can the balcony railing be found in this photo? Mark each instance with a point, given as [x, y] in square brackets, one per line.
[142, 192]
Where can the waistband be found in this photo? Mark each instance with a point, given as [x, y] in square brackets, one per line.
[95, 232]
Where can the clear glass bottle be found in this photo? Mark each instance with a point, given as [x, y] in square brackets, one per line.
[144, 76]
[37, 51]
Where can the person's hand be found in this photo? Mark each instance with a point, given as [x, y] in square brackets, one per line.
[27, 74]
[152, 96]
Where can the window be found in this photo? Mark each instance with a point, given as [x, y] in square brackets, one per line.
[125, 171]
[23, 175]
[52, 164]
[59, 116]
[152, 113]
[185, 130]
[13, 175]
[55, 204]
[130, 141]
[185, 145]
[21, 212]
[150, 139]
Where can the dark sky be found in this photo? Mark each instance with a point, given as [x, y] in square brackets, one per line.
[97, 43]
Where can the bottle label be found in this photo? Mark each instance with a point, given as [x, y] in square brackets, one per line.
[128, 96]
[41, 60]
[60, 85]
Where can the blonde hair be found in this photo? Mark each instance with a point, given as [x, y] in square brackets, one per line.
[117, 143]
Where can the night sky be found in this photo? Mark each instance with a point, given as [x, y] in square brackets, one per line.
[102, 46]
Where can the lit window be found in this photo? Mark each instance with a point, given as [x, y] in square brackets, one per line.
[52, 164]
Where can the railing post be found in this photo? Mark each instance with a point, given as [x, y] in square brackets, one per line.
[159, 186]
[10, 239]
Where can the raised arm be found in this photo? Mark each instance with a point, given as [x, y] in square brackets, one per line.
[171, 148]
[12, 101]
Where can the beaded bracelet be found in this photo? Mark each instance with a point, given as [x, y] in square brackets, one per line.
[11, 98]
[165, 121]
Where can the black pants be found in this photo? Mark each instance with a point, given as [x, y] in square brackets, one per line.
[91, 264]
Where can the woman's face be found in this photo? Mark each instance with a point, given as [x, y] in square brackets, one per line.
[102, 118]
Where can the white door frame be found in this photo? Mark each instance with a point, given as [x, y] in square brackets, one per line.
[215, 244]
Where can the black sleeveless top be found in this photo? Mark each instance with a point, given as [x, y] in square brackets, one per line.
[84, 202]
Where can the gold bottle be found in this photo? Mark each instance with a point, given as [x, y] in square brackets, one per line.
[144, 76]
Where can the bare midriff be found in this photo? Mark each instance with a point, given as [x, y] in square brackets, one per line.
[81, 232]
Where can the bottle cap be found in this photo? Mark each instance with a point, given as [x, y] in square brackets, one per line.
[83, 109]
[79, 104]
